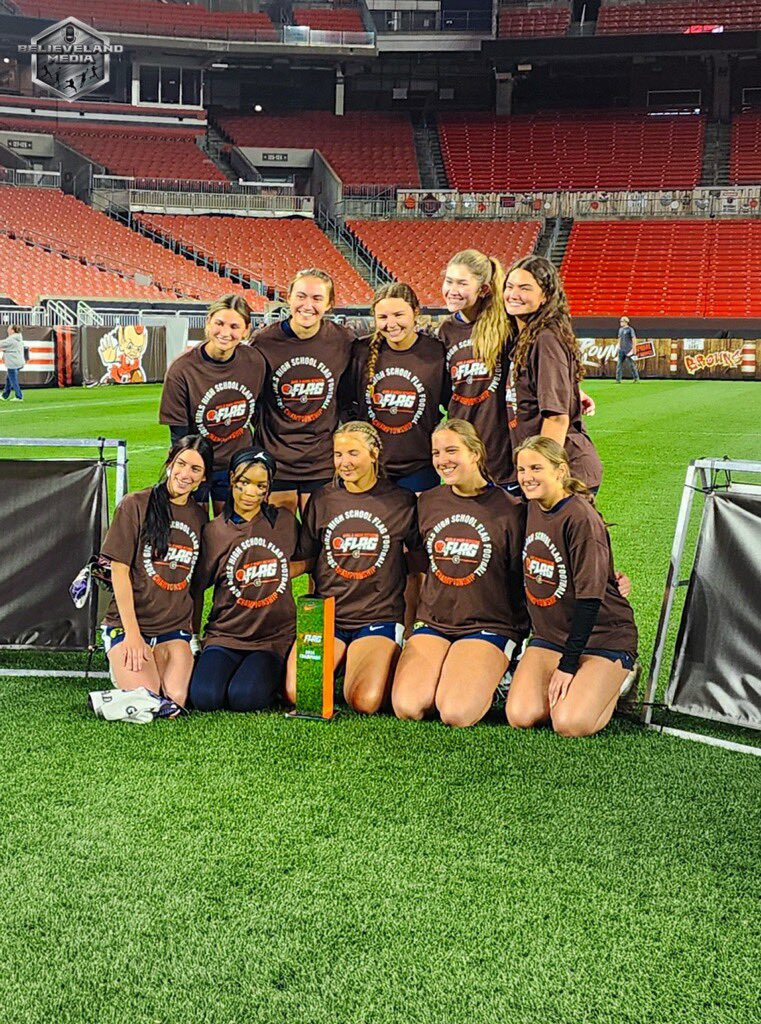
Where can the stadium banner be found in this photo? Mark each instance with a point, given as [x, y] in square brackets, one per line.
[716, 672]
[678, 358]
[40, 368]
[449, 203]
[54, 514]
[133, 354]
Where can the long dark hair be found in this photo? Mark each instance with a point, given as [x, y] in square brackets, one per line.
[239, 463]
[158, 516]
[554, 314]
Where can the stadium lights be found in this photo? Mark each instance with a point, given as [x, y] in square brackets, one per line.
[525, 67]
[257, 108]
[220, 67]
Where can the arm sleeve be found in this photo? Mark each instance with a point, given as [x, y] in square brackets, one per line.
[177, 433]
[585, 612]
[175, 405]
[553, 374]
[123, 537]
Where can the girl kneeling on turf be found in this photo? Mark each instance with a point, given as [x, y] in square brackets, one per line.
[583, 649]
[153, 545]
[472, 612]
[246, 556]
[353, 538]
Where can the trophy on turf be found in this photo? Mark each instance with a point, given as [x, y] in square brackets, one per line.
[315, 618]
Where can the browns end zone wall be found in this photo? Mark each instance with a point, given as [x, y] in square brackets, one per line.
[678, 358]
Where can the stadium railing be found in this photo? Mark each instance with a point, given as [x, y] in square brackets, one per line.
[36, 179]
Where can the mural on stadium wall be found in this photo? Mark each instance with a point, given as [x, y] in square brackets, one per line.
[121, 351]
[678, 358]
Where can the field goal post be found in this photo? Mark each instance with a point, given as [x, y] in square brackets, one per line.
[708, 477]
[120, 462]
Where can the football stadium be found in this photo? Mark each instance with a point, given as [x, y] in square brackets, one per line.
[380, 446]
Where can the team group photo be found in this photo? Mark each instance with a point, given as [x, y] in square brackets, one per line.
[380, 582]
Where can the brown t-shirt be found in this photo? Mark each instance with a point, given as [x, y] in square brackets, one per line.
[407, 389]
[478, 396]
[547, 386]
[567, 555]
[474, 579]
[358, 542]
[247, 564]
[299, 408]
[216, 399]
[161, 587]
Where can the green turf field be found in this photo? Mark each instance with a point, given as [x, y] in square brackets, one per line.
[240, 869]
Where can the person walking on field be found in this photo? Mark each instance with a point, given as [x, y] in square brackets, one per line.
[12, 348]
[626, 338]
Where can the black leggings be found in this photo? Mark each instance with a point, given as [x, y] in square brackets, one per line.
[236, 680]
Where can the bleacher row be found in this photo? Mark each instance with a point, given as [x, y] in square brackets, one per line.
[53, 246]
[529, 19]
[482, 153]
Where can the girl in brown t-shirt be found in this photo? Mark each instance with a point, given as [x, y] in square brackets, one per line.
[400, 382]
[306, 358]
[543, 394]
[353, 540]
[472, 615]
[474, 338]
[582, 653]
[247, 556]
[212, 390]
[153, 544]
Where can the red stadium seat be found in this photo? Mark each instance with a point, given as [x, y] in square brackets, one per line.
[516, 21]
[655, 18]
[567, 151]
[91, 255]
[416, 251]
[273, 249]
[666, 268]
[383, 156]
[745, 152]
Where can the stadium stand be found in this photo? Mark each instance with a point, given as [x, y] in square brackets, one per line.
[416, 251]
[532, 20]
[745, 151]
[384, 156]
[328, 19]
[81, 241]
[149, 17]
[131, 152]
[274, 248]
[572, 151]
[667, 268]
[654, 18]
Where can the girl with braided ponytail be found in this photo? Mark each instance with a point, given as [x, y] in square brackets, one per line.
[356, 535]
[545, 366]
[472, 614]
[400, 384]
[474, 336]
[153, 545]
[581, 657]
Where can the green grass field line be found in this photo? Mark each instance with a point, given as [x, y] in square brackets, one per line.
[231, 869]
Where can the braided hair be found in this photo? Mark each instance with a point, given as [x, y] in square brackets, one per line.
[394, 290]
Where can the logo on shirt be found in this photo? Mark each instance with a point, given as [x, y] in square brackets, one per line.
[224, 411]
[471, 381]
[303, 388]
[459, 550]
[511, 400]
[257, 572]
[395, 400]
[544, 571]
[356, 544]
[173, 571]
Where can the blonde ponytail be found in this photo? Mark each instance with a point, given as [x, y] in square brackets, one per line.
[491, 327]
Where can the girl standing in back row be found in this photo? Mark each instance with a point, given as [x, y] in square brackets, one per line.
[399, 383]
[474, 337]
[545, 366]
[306, 356]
